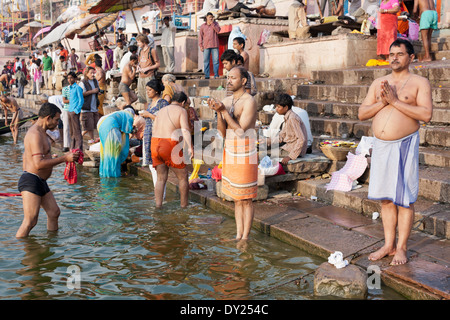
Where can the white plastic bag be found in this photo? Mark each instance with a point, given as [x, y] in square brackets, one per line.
[268, 166]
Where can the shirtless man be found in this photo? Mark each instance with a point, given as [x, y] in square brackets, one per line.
[165, 153]
[428, 22]
[236, 117]
[100, 75]
[128, 76]
[9, 103]
[38, 165]
[396, 102]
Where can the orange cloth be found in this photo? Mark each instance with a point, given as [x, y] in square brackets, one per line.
[240, 168]
[161, 150]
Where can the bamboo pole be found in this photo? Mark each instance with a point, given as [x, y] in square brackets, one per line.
[42, 34]
[29, 28]
[135, 21]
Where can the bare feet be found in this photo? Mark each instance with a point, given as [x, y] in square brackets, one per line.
[381, 253]
[400, 257]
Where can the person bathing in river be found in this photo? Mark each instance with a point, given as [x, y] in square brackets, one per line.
[37, 168]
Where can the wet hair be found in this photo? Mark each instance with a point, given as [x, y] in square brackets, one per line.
[132, 48]
[179, 97]
[239, 58]
[130, 107]
[284, 100]
[98, 62]
[143, 38]
[228, 55]
[48, 109]
[156, 85]
[97, 56]
[134, 57]
[73, 74]
[408, 45]
[240, 40]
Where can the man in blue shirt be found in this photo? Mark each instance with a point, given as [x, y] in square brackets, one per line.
[73, 100]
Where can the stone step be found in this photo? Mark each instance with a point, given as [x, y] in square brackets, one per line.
[437, 72]
[346, 128]
[430, 216]
[436, 157]
[338, 109]
[357, 93]
[436, 55]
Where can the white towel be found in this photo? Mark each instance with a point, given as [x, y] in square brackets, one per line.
[394, 172]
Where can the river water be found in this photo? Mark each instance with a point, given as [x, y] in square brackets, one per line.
[119, 247]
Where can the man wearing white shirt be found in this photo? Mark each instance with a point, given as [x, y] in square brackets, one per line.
[126, 57]
[168, 31]
[118, 53]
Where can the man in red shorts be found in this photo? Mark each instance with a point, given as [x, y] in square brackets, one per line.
[171, 123]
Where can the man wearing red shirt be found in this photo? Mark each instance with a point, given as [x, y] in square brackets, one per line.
[208, 41]
[63, 52]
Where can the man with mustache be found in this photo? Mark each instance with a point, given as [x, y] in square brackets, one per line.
[396, 103]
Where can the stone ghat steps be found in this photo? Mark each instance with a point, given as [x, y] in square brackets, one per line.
[432, 207]
[438, 136]
[431, 216]
[428, 156]
[337, 109]
[357, 93]
[437, 72]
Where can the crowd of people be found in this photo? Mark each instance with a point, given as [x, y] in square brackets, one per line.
[167, 111]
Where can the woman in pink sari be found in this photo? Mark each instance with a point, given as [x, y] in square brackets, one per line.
[387, 26]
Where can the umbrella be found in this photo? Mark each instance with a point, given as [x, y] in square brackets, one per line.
[90, 25]
[43, 30]
[55, 35]
[70, 13]
[119, 5]
[33, 25]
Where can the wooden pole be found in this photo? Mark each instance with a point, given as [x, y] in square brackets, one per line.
[42, 34]
[29, 28]
[135, 21]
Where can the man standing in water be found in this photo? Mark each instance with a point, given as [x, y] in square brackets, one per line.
[236, 117]
[168, 121]
[9, 103]
[38, 165]
[396, 102]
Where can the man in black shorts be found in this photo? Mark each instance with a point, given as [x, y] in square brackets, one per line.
[38, 165]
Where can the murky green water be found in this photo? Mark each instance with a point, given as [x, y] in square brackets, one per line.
[125, 249]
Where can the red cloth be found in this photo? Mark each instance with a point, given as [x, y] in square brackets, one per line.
[216, 173]
[10, 194]
[70, 173]
[387, 33]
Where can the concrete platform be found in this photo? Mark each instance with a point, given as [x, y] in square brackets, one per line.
[322, 229]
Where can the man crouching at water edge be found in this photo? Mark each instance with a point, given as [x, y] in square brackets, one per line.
[167, 150]
[396, 102]
[38, 165]
[236, 118]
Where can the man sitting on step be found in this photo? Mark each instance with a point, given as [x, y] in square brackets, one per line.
[293, 138]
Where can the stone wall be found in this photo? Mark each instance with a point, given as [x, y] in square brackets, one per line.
[301, 57]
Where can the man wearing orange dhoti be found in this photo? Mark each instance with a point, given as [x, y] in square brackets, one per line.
[236, 117]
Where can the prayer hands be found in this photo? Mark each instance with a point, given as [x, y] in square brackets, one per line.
[388, 94]
[215, 105]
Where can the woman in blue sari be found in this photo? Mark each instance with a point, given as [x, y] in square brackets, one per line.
[114, 130]
[154, 88]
